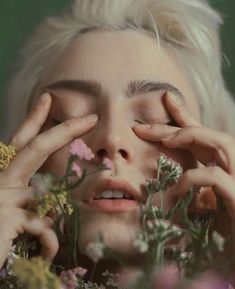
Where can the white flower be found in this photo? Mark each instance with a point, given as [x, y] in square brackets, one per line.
[95, 250]
[218, 240]
[140, 243]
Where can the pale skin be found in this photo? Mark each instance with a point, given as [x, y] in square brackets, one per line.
[108, 57]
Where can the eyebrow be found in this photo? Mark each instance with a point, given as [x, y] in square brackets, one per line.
[94, 88]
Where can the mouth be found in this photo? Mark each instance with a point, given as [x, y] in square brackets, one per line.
[114, 196]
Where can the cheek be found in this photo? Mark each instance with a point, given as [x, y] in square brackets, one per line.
[151, 152]
[56, 162]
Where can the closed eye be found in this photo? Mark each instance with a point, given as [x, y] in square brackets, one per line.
[139, 121]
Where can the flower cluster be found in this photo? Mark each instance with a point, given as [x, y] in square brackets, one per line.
[53, 203]
[7, 153]
[35, 274]
[172, 169]
[95, 250]
[71, 278]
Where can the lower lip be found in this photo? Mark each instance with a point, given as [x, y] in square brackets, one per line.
[113, 206]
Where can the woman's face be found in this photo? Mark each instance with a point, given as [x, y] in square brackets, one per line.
[114, 62]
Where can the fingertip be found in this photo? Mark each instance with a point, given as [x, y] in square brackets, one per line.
[44, 98]
[175, 99]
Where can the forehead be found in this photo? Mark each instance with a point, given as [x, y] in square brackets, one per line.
[114, 58]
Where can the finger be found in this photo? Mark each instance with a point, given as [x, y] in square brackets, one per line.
[179, 112]
[154, 132]
[33, 123]
[19, 197]
[21, 221]
[41, 228]
[5, 249]
[33, 155]
[222, 184]
[206, 144]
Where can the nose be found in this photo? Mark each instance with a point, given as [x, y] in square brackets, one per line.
[112, 138]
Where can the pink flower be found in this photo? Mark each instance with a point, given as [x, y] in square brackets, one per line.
[108, 163]
[69, 277]
[167, 278]
[77, 169]
[127, 277]
[209, 281]
[80, 149]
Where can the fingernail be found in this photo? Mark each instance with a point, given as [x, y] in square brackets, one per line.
[91, 118]
[142, 126]
[178, 100]
[44, 98]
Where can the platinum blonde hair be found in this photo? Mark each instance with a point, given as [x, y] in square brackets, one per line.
[189, 28]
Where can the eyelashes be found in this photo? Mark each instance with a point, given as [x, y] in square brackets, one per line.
[170, 123]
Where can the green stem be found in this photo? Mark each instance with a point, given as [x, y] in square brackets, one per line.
[93, 272]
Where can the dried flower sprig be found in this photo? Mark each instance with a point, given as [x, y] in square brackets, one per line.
[35, 273]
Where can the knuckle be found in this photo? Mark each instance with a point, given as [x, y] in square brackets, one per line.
[215, 171]
[33, 145]
[69, 124]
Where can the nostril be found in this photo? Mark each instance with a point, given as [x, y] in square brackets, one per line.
[102, 153]
[123, 153]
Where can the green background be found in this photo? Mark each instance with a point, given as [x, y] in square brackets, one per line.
[18, 19]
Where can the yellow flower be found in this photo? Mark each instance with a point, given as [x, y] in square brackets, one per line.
[7, 153]
[53, 202]
[35, 274]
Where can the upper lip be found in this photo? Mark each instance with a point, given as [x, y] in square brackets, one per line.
[110, 184]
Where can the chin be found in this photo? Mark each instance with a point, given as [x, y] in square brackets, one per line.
[117, 230]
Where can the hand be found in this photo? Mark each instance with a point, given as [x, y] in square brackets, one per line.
[33, 149]
[207, 146]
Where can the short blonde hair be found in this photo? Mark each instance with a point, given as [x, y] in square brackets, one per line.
[189, 28]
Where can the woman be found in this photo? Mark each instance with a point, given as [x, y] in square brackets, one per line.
[133, 79]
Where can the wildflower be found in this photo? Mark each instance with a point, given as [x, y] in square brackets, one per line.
[162, 230]
[129, 276]
[35, 273]
[112, 279]
[95, 250]
[41, 183]
[141, 243]
[80, 149]
[208, 280]
[12, 256]
[77, 169]
[91, 285]
[218, 240]
[166, 278]
[170, 168]
[70, 277]
[152, 186]
[7, 153]
[53, 202]
[108, 163]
